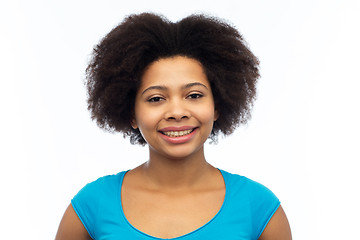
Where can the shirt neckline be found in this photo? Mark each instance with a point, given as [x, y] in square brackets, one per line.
[179, 237]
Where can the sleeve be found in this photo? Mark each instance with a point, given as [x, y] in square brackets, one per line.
[264, 205]
[86, 205]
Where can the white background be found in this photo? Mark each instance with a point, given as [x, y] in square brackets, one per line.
[302, 141]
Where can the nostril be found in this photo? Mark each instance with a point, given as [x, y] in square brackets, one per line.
[177, 118]
[177, 114]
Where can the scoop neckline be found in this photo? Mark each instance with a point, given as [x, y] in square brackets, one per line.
[179, 237]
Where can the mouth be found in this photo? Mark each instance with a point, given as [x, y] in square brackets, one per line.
[174, 134]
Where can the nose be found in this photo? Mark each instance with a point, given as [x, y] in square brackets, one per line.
[177, 111]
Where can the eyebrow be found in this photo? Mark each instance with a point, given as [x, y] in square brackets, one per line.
[163, 88]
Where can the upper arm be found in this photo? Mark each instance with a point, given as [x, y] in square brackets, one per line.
[277, 228]
[71, 228]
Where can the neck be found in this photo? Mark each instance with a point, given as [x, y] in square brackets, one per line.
[163, 172]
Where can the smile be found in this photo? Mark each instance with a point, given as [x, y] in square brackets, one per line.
[177, 133]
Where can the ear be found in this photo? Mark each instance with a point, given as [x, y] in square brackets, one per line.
[134, 124]
[133, 120]
[216, 115]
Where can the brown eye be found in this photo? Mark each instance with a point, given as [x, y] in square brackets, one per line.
[155, 99]
[195, 95]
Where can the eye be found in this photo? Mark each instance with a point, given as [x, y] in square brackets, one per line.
[155, 99]
[195, 95]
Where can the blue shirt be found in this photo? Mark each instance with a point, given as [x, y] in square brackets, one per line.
[246, 210]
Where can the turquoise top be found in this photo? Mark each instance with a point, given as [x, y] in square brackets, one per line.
[246, 210]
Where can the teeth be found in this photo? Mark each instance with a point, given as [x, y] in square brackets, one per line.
[177, 133]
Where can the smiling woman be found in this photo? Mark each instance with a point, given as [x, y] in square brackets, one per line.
[172, 86]
[174, 107]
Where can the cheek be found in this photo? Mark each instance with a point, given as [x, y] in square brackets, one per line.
[145, 118]
[206, 117]
[146, 125]
[206, 114]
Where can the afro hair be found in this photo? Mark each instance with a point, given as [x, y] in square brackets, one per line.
[118, 62]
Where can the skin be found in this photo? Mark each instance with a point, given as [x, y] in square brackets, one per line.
[71, 228]
[176, 180]
[174, 92]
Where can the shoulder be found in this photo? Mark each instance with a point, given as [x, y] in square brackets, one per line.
[252, 200]
[79, 220]
[106, 180]
[91, 200]
[95, 191]
[246, 187]
[101, 185]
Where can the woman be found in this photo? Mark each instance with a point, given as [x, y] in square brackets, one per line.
[172, 86]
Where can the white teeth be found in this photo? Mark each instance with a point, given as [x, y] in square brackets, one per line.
[177, 133]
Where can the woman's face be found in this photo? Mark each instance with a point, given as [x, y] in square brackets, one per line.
[174, 107]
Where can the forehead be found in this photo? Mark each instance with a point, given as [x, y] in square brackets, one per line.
[173, 71]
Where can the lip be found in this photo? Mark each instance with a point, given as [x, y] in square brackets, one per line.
[176, 128]
[178, 140]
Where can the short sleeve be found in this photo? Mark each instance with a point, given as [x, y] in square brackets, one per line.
[86, 205]
[264, 204]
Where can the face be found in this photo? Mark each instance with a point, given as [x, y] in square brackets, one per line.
[174, 107]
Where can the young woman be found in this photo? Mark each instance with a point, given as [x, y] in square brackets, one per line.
[172, 86]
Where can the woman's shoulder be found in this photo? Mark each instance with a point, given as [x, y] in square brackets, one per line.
[110, 178]
[106, 187]
[107, 181]
[240, 181]
[249, 199]
[243, 188]
[96, 197]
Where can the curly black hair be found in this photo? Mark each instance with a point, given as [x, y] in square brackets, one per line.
[114, 73]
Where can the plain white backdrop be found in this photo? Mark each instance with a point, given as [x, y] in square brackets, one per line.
[302, 141]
